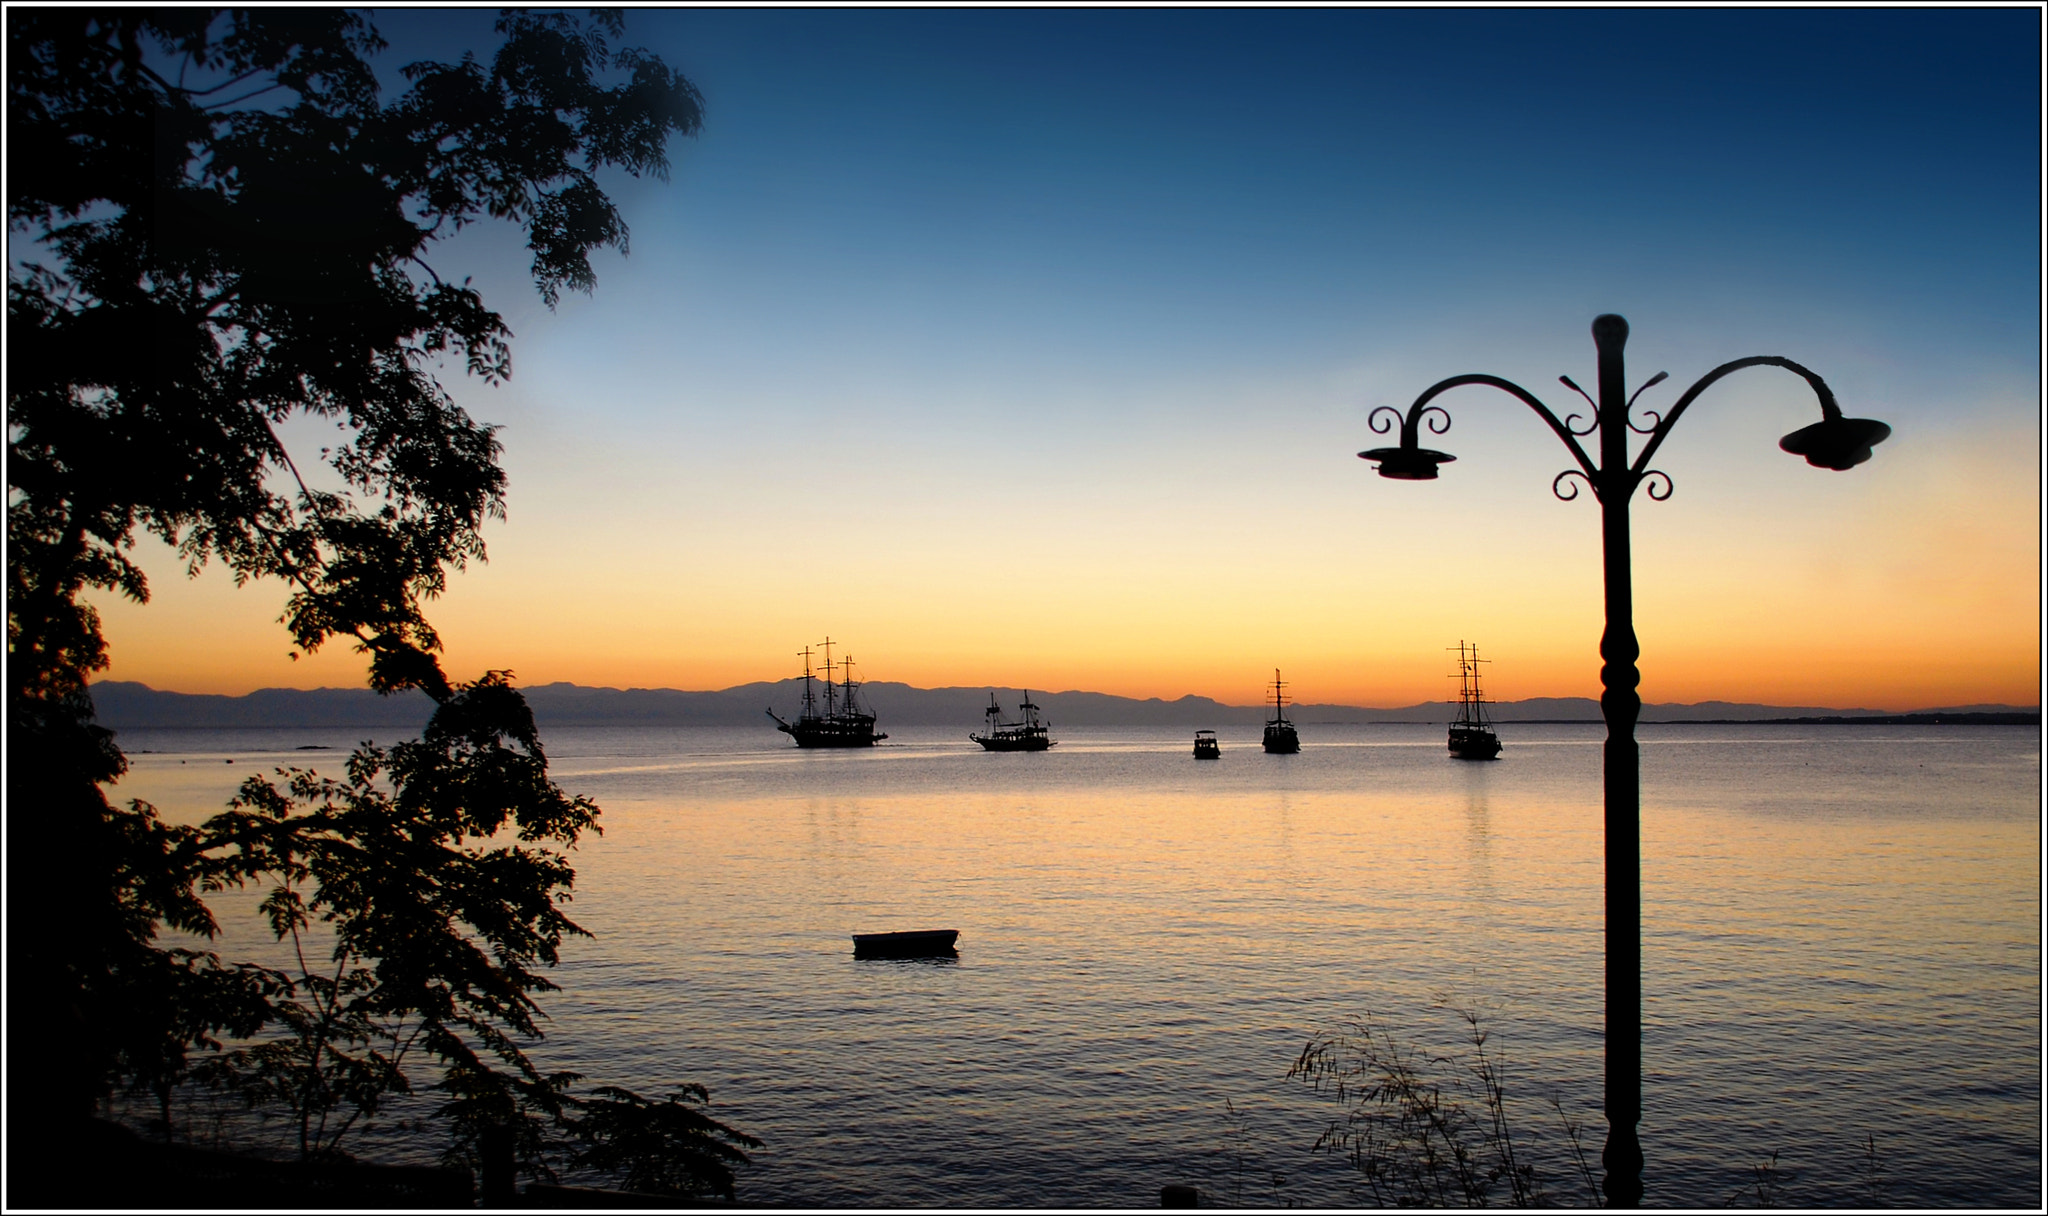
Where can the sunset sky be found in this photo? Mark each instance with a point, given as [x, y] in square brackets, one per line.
[1034, 348]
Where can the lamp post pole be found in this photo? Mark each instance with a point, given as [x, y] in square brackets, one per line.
[1621, 781]
[1835, 442]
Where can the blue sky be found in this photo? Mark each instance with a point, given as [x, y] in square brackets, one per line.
[1217, 187]
[1022, 345]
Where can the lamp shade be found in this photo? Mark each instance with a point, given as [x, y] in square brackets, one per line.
[1836, 443]
[1407, 464]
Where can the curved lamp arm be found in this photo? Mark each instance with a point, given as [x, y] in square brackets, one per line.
[1411, 423]
[1856, 432]
[1835, 442]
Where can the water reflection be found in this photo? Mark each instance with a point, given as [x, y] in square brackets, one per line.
[1151, 939]
[1479, 834]
[1283, 823]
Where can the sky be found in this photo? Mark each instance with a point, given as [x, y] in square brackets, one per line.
[1034, 348]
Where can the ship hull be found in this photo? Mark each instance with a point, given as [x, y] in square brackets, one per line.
[832, 734]
[1001, 743]
[922, 943]
[1473, 743]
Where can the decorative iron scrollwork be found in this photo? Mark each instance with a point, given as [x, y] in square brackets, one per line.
[1562, 482]
[1571, 420]
[1650, 484]
[1656, 419]
[1439, 411]
[1379, 426]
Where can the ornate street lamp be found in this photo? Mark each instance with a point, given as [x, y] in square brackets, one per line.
[1835, 442]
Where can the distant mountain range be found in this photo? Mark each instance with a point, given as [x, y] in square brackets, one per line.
[132, 706]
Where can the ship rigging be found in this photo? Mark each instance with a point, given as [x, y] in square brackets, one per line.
[844, 722]
[1281, 739]
[1028, 734]
[1472, 736]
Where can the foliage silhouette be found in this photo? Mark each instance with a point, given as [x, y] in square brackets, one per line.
[1767, 1183]
[436, 870]
[218, 226]
[1237, 1147]
[668, 1147]
[1431, 1130]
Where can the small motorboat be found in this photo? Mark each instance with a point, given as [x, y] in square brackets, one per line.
[1206, 747]
[917, 943]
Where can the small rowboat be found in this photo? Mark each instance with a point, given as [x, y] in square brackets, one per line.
[920, 943]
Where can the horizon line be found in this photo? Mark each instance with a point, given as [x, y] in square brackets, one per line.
[2035, 708]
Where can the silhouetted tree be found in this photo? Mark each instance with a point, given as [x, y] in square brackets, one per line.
[217, 224]
[434, 922]
[669, 1147]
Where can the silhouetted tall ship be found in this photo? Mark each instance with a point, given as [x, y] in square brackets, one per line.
[844, 723]
[1028, 734]
[1472, 736]
[1280, 737]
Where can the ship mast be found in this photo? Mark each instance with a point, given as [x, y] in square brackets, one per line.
[1279, 701]
[810, 702]
[1470, 704]
[831, 705]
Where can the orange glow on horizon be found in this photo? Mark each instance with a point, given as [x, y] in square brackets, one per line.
[1900, 586]
[229, 642]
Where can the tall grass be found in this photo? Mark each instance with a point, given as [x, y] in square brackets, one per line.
[1429, 1130]
[1246, 1166]
[1423, 1129]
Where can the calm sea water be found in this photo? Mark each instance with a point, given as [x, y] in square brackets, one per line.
[1841, 926]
